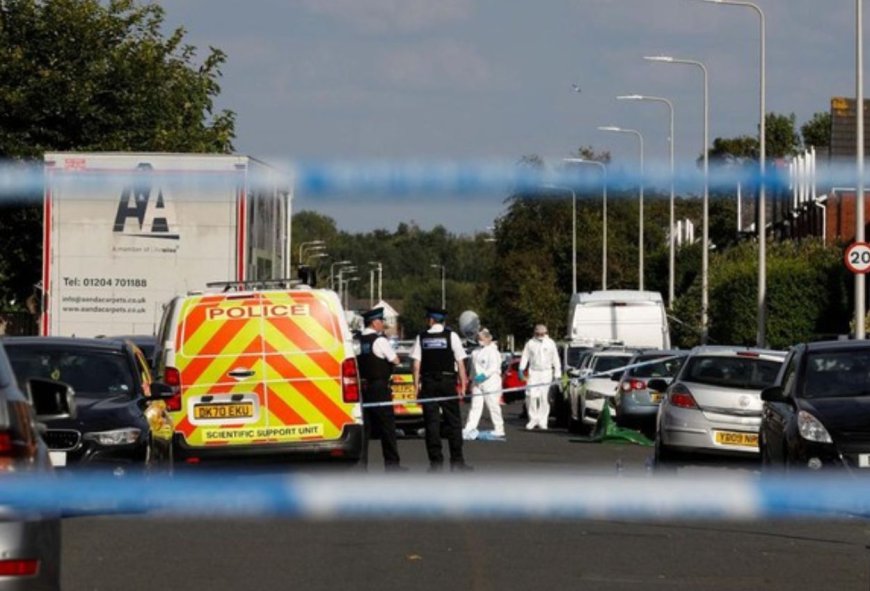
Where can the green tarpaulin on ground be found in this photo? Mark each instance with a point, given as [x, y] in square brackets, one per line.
[607, 430]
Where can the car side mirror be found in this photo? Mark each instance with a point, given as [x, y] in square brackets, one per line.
[51, 399]
[773, 394]
[162, 391]
[657, 384]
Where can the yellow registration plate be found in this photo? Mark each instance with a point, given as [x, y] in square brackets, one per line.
[404, 392]
[655, 397]
[224, 410]
[736, 438]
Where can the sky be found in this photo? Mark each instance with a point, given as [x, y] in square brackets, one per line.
[477, 80]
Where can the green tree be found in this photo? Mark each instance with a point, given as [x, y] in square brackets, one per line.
[817, 131]
[727, 150]
[781, 139]
[88, 75]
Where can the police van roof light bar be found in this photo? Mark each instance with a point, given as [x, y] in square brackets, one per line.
[282, 283]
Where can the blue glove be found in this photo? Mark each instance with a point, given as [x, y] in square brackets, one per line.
[521, 375]
[479, 378]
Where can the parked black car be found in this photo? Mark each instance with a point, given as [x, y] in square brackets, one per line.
[121, 419]
[817, 414]
[29, 546]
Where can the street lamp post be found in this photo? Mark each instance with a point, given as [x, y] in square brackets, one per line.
[860, 304]
[331, 272]
[640, 217]
[761, 330]
[380, 267]
[603, 215]
[313, 245]
[705, 233]
[443, 285]
[340, 274]
[672, 240]
[346, 288]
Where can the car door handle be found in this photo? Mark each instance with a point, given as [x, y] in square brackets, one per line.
[241, 373]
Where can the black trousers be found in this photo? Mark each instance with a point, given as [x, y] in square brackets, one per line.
[380, 420]
[438, 386]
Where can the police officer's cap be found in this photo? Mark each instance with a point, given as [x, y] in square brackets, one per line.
[372, 315]
[436, 314]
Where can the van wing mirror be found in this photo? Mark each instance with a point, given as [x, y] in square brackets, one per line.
[51, 399]
[162, 391]
[773, 394]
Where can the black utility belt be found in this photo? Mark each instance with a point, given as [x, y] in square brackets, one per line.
[439, 374]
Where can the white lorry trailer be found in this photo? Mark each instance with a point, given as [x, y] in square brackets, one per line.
[626, 317]
[125, 232]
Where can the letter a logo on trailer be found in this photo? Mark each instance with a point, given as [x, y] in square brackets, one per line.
[857, 257]
[151, 216]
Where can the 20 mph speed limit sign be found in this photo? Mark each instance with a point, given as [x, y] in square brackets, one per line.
[858, 257]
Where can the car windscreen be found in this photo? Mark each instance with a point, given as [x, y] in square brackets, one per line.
[751, 373]
[574, 356]
[837, 374]
[656, 366]
[88, 371]
[606, 363]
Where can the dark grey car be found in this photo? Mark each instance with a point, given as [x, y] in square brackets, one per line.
[29, 542]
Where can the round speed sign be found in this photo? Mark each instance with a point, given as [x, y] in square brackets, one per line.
[857, 257]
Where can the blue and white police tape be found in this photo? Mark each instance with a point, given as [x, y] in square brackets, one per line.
[575, 380]
[428, 400]
[357, 180]
[477, 496]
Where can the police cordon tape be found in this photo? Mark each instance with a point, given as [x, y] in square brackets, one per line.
[357, 180]
[425, 496]
[516, 388]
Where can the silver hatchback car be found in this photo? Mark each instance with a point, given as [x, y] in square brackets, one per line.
[636, 403]
[713, 405]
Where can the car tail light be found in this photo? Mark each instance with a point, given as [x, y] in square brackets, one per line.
[22, 567]
[681, 397]
[349, 381]
[6, 446]
[633, 384]
[172, 377]
[10, 451]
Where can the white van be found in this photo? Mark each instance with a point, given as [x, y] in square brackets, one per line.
[627, 317]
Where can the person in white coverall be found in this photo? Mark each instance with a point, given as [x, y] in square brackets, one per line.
[486, 364]
[541, 358]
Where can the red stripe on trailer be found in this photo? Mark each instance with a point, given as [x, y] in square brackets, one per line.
[46, 259]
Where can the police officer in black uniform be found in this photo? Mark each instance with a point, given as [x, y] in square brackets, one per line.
[438, 357]
[376, 361]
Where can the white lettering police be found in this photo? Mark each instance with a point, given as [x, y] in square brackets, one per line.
[261, 311]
